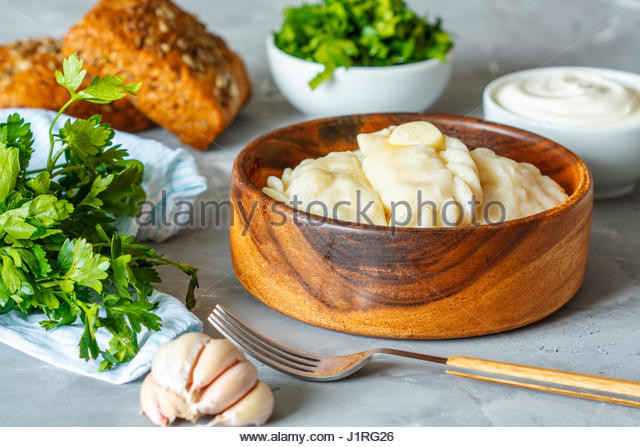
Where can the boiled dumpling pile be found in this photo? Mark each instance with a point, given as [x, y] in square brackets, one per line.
[412, 175]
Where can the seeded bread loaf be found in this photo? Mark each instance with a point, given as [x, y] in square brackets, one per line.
[27, 80]
[193, 84]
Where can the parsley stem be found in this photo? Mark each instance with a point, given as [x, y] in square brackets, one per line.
[58, 154]
[66, 170]
[50, 162]
[37, 171]
[88, 165]
[186, 268]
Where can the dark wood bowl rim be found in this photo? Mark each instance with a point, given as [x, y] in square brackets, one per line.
[583, 187]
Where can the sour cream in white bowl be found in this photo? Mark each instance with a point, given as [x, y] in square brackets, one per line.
[396, 88]
[594, 112]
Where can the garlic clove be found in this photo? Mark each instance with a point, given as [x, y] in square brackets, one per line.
[216, 357]
[369, 143]
[253, 409]
[173, 362]
[228, 388]
[175, 406]
[168, 404]
[417, 132]
[149, 403]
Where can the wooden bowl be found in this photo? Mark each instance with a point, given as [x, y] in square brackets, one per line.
[410, 282]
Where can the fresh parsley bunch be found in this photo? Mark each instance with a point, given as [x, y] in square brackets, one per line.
[60, 252]
[345, 33]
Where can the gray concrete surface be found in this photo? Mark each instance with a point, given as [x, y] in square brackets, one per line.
[597, 332]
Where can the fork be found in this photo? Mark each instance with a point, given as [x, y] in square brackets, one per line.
[325, 368]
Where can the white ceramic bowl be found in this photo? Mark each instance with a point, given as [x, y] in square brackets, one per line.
[398, 88]
[611, 152]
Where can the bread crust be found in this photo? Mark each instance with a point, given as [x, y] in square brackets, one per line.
[193, 84]
[27, 80]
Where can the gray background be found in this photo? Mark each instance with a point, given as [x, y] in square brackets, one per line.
[597, 332]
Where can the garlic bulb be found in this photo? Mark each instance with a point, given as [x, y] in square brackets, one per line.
[195, 375]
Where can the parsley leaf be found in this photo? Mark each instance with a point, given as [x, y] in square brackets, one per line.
[107, 89]
[86, 267]
[40, 184]
[72, 73]
[16, 133]
[11, 276]
[86, 137]
[97, 187]
[10, 162]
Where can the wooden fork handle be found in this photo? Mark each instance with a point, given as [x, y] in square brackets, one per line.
[620, 387]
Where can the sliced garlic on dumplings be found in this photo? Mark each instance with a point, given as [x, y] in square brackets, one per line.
[417, 132]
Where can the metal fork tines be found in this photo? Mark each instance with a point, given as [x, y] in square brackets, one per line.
[268, 351]
[284, 358]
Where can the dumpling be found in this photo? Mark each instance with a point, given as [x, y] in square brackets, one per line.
[332, 186]
[516, 189]
[424, 178]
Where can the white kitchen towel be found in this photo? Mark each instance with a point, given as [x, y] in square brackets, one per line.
[172, 182]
